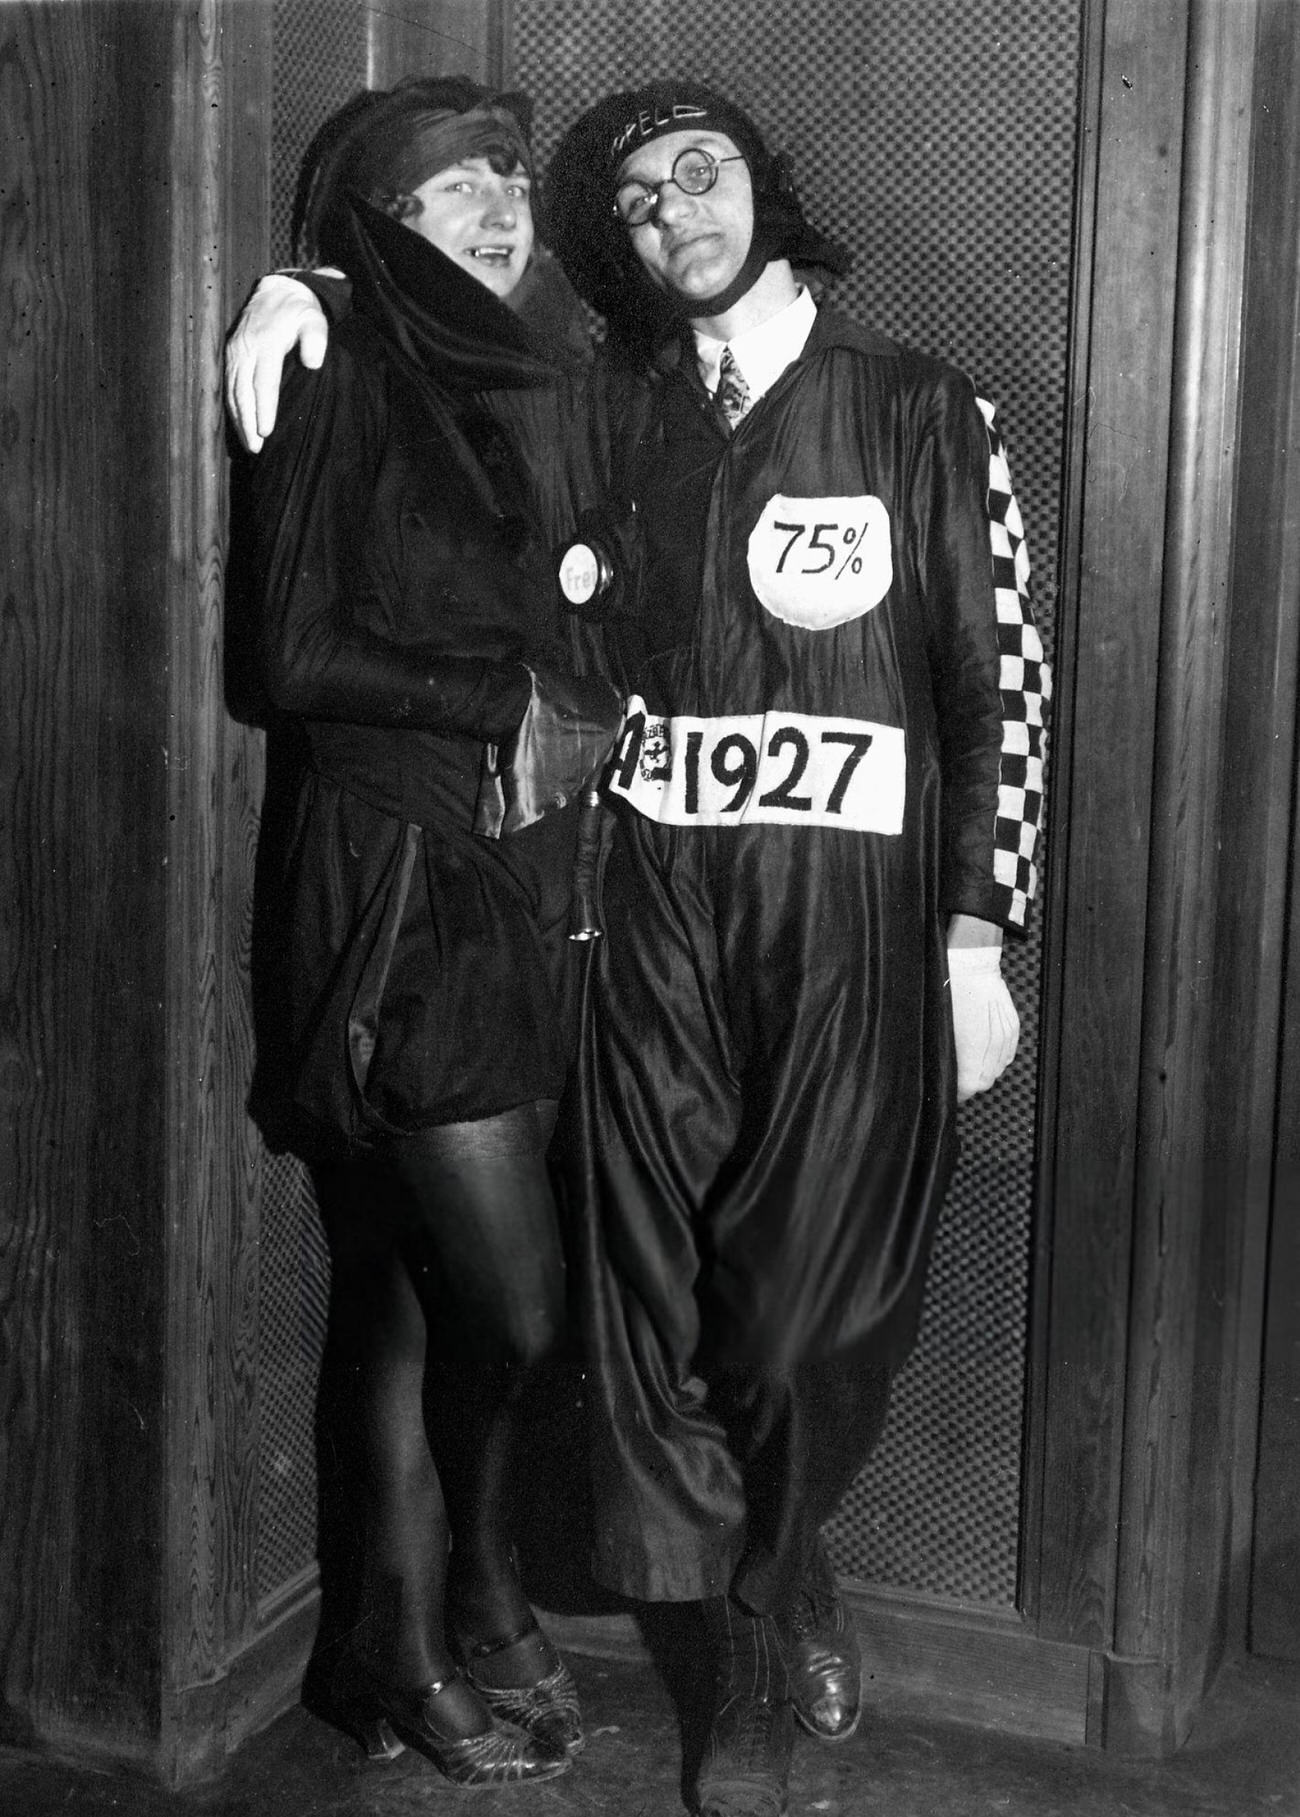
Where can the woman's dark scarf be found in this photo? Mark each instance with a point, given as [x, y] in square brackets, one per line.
[447, 325]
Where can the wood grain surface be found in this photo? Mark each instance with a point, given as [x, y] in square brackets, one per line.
[129, 805]
[83, 859]
[1108, 660]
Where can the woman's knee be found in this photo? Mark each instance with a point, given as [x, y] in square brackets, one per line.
[511, 1329]
[538, 1335]
[481, 1235]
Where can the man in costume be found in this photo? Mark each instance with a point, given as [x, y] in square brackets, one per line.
[825, 805]
[827, 794]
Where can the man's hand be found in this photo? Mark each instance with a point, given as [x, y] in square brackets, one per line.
[281, 315]
[985, 1025]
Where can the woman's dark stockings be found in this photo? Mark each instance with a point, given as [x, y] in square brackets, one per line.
[447, 1297]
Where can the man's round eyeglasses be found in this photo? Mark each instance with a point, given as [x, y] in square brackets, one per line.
[694, 172]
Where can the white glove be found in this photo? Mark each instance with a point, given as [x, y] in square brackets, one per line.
[280, 315]
[985, 1025]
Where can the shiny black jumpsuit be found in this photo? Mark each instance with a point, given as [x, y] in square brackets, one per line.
[841, 746]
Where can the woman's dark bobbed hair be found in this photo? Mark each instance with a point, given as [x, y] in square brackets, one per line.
[384, 143]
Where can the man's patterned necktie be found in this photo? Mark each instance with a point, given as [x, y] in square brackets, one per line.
[732, 396]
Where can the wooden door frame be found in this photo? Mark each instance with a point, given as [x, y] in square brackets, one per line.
[218, 1681]
[1257, 1158]
[1137, 1409]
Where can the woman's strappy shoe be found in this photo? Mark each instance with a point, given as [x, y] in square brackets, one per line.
[546, 1709]
[384, 1719]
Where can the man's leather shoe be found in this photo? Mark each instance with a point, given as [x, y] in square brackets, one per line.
[825, 1661]
[746, 1767]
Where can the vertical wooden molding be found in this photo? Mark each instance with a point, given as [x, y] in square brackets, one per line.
[1160, 1542]
[1108, 629]
[1132, 1513]
[214, 778]
[1259, 888]
[1264, 676]
[196, 1638]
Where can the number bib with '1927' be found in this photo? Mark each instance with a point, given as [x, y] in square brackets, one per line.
[790, 769]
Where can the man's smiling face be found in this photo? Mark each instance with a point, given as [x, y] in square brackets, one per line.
[692, 245]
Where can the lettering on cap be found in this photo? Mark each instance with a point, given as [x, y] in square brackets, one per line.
[651, 121]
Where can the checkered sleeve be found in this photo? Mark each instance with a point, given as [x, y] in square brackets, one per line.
[1026, 687]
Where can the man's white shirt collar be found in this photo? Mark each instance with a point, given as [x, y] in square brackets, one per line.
[762, 353]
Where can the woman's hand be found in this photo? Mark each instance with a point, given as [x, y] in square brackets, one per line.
[281, 315]
[567, 732]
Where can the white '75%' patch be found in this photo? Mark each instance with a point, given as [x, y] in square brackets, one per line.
[818, 562]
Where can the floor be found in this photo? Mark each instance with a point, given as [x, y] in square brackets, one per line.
[1242, 1760]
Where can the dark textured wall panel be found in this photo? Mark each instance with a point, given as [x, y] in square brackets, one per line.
[293, 1307]
[320, 59]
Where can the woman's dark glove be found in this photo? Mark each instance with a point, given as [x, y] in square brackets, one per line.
[567, 732]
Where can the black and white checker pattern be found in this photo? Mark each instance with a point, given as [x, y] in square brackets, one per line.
[1026, 686]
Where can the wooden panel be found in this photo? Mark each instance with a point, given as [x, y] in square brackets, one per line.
[211, 1151]
[1108, 649]
[128, 1239]
[1175, 1478]
[1259, 840]
[437, 38]
[265, 1678]
[1275, 1586]
[1137, 1407]
[1269, 584]
[82, 863]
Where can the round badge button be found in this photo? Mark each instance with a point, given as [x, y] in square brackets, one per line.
[585, 572]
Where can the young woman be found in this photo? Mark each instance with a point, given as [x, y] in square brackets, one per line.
[407, 622]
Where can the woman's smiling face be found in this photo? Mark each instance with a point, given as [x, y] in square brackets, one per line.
[480, 218]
